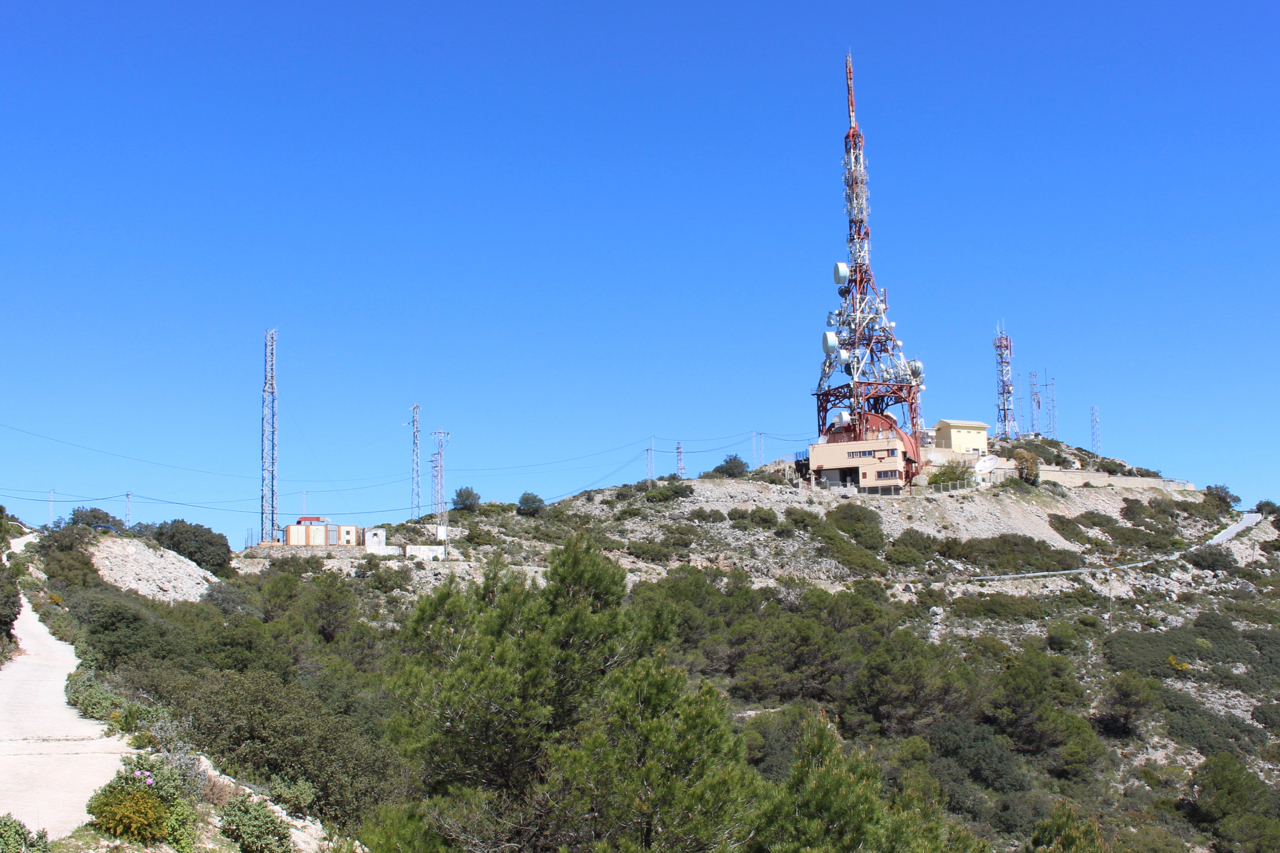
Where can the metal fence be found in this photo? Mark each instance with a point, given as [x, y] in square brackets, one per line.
[957, 486]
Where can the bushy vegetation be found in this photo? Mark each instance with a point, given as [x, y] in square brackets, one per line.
[207, 549]
[254, 827]
[16, 838]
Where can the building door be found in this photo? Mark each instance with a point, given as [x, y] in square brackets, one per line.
[849, 477]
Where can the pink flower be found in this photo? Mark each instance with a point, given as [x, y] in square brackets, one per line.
[151, 781]
[137, 773]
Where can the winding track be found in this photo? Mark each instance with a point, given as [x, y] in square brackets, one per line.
[51, 758]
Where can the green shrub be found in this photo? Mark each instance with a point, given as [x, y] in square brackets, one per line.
[16, 838]
[987, 756]
[252, 825]
[902, 556]
[530, 505]
[199, 544]
[649, 552]
[860, 523]
[295, 797]
[1061, 637]
[764, 517]
[707, 516]
[180, 826]
[915, 540]
[998, 606]
[669, 492]
[1190, 723]
[129, 811]
[10, 605]
[954, 471]
[466, 499]
[1010, 553]
[733, 466]
[1213, 558]
[1267, 716]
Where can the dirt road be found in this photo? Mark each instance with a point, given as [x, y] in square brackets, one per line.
[51, 758]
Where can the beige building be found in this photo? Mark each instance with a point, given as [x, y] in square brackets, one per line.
[315, 531]
[878, 464]
[962, 438]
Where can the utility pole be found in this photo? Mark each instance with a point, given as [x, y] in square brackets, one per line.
[415, 495]
[648, 461]
[128, 500]
[679, 461]
[269, 453]
[437, 489]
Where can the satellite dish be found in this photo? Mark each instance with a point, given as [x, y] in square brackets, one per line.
[842, 273]
[829, 342]
[986, 464]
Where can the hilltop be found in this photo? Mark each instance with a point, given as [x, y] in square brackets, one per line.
[1129, 676]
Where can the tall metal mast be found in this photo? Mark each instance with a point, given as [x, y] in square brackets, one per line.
[1006, 421]
[269, 497]
[863, 345]
[415, 490]
[437, 487]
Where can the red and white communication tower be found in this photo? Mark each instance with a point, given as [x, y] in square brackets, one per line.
[862, 345]
[1006, 421]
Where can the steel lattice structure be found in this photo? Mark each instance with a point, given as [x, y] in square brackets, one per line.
[1006, 421]
[415, 489]
[437, 485]
[269, 496]
[863, 345]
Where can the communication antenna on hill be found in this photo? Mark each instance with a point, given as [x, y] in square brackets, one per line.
[1095, 431]
[128, 505]
[648, 461]
[679, 460]
[415, 490]
[1051, 410]
[437, 488]
[269, 452]
[1035, 405]
[862, 344]
[1006, 422]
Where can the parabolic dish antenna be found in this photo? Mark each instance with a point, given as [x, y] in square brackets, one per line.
[986, 464]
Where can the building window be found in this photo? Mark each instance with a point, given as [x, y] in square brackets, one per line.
[849, 454]
[887, 475]
[893, 451]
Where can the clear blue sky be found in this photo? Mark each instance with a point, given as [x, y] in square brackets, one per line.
[564, 228]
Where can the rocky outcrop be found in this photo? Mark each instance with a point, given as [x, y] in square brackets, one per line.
[150, 570]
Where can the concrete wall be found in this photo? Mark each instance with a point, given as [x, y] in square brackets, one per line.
[278, 551]
[424, 552]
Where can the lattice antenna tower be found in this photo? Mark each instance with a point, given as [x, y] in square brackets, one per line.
[1095, 431]
[648, 461]
[1006, 421]
[1051, 410]
[440, 508]
[679, 460]
[863, 345]
[269, 451]
[1035, 405]
[415, 488]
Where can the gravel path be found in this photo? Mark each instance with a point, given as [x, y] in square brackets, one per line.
[1249, 520]
[51, 758]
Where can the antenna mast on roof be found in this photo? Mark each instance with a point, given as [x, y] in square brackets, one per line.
[1035, 405]
[863, 345]
[269, 452]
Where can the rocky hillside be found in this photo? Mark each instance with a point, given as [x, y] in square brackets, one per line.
[146, 568]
